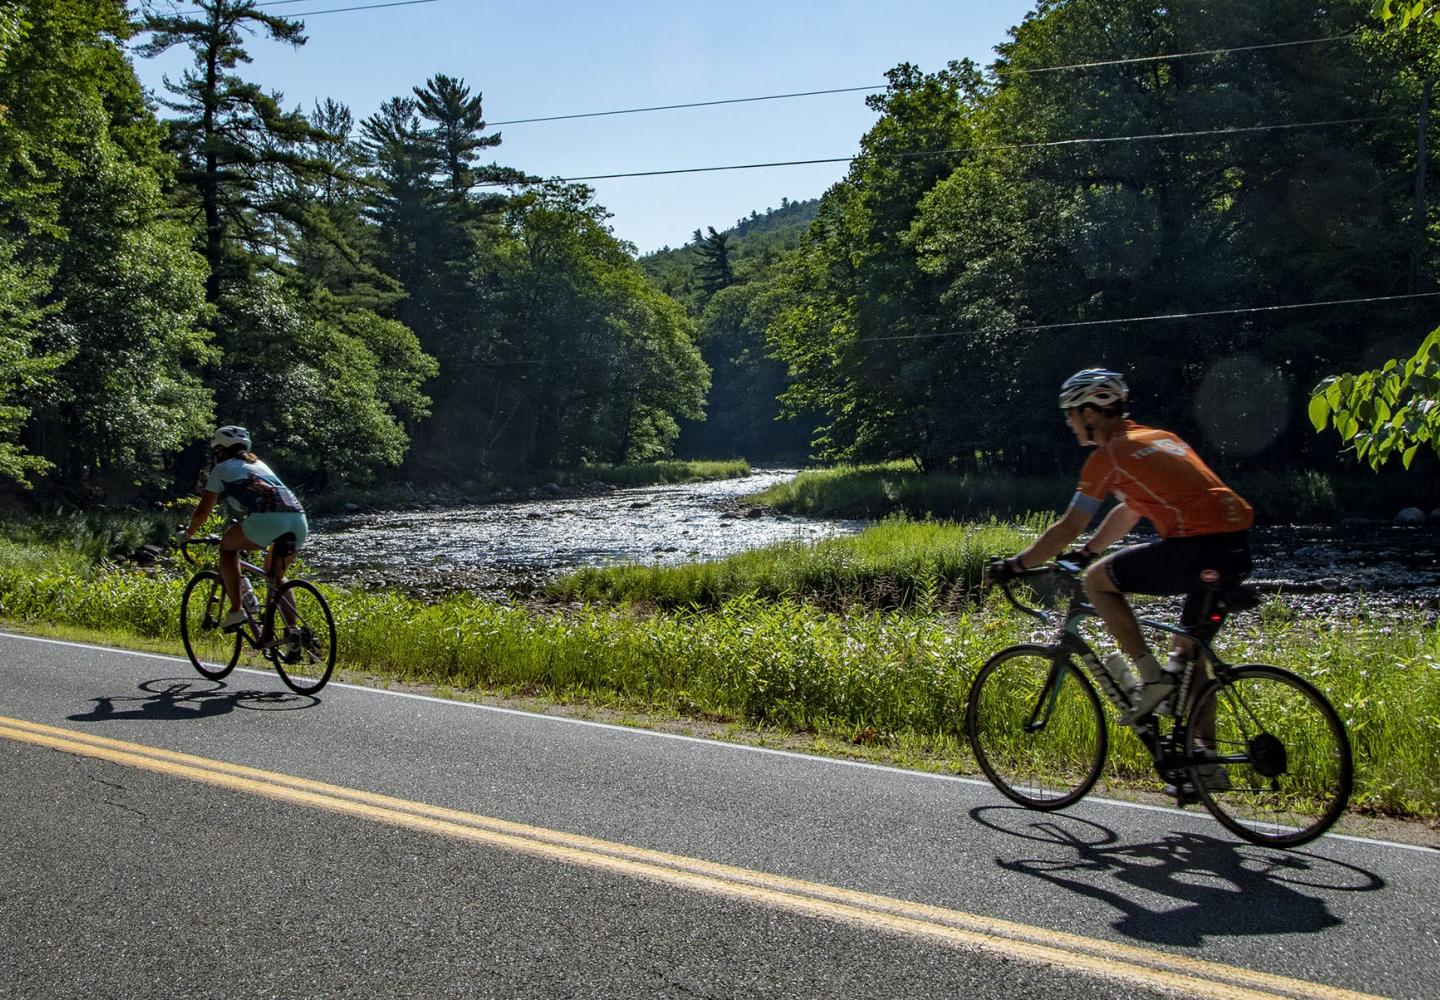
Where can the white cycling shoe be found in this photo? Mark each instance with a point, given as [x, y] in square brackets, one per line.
[1150, 698]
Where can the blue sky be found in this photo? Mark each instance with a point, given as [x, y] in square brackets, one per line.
[553, 58]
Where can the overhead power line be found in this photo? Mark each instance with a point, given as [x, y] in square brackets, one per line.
[1167, 57]
[695, 104]
[373, 6]
[1166, 317]
[990, 148]
[337, 10]
[1043, 327]
[1016, 71]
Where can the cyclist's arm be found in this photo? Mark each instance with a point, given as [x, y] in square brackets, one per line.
[1117, 525]
[202, 512]
[1056, 538]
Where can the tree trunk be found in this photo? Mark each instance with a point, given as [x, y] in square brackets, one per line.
[1419, 218]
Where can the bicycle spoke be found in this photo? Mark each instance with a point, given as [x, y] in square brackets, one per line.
[304, 636]
[1036, 728]
[1278, 765]
[202, 607]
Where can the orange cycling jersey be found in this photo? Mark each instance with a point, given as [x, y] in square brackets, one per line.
[1159, 477]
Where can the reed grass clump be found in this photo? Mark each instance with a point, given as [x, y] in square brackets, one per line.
[895, 563]
[655, 473]
[871, 491]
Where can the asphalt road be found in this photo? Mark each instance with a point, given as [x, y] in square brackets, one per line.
[167, 836]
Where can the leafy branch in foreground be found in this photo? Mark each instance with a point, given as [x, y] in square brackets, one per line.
[1385, 411]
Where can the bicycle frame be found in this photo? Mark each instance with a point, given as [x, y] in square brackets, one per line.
[260, 634]
[1166, 750]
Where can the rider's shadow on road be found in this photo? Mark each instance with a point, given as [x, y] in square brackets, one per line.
[169, 699]
[1224, 889]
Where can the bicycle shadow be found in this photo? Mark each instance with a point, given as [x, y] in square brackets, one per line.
[170, 699]
[1224, 888]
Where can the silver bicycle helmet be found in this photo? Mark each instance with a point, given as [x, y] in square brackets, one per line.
[229, 436]
[1093, 387]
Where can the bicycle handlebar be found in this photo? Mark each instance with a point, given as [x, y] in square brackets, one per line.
[198, 540]
[1057, 567]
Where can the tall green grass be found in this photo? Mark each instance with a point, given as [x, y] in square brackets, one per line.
[655, 473]
[900, 677]
[895, 563]
[1278, 496]
[871, 491]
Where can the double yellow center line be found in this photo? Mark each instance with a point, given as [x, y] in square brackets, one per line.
[1072, 953]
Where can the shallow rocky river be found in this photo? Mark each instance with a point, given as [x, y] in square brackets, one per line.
[516, 543]
[525, 541]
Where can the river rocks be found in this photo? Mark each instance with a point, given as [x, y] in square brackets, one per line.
[1410, 515]
[352, 508]
[145, 555]
[754, 513]
[640, 504]
[551, 489]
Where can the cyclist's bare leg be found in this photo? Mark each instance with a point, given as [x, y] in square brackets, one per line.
[275, 567]
[232, 543]
[1115, 611]
[1203, 721]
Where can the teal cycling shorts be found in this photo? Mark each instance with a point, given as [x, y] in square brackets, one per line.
[262, 529]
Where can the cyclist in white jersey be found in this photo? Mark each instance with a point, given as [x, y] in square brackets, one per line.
[269, 512]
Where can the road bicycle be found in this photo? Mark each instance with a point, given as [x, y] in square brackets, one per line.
[293, 629]
[1260, 747]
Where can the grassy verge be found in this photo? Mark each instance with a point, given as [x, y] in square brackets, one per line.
[899, 487]
[892, 564]
[894, 681]
[872, 491]
[654, 473]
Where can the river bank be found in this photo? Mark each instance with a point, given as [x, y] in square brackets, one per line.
[520, 547]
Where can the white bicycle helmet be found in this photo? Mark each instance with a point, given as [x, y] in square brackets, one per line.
[229, 436]
[1093, 387]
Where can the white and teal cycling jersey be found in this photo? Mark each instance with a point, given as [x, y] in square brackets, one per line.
[251, 488]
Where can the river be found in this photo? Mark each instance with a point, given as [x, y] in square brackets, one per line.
[515, 544]
[498, 547]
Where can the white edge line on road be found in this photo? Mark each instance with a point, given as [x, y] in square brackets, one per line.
[680, 737]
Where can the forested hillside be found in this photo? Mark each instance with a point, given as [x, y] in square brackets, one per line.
[1187, 220]
[719, 277]
[369, 297]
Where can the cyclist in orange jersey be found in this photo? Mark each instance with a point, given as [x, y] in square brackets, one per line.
[1202, 523]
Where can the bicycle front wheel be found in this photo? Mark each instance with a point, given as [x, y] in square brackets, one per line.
[304, 632]
[1277, 765]
[1036, 727]
[202, 607]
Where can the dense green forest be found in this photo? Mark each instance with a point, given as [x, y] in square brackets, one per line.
[723, 279]
[383, 297]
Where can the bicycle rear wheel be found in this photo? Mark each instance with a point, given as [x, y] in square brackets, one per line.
[1279, 767]
[304, 630]
[202, 606]
[1036, 727]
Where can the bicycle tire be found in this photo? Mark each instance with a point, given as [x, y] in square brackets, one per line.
[306, 667]
[1045, 768]
[204, 598]
[1288, 769]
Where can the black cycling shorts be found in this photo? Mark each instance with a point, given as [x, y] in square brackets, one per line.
[1190, 566]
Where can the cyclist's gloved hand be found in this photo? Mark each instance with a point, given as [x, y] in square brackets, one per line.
[1077, 557]
[181, 536]
[1001, 570]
